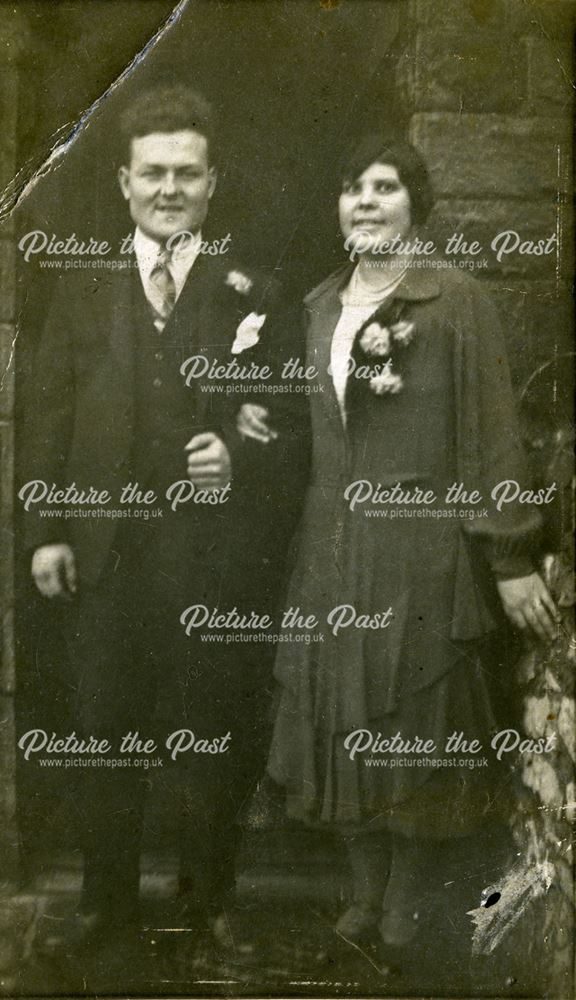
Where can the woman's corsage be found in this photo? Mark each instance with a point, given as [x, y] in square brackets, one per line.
[382, 339]
[376, 340]
[386, 381]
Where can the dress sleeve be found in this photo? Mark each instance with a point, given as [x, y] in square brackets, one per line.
[489, 445]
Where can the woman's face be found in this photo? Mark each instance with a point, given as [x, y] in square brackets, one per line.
[376, 205]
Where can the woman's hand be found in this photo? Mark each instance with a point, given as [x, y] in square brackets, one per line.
[528, 604]
[252, 423]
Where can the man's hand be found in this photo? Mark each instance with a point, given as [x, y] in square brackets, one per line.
[252, 422]
[529, 605]
[209, 463]
[54, 570]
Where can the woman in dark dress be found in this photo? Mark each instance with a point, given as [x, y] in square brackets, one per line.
[415, 397]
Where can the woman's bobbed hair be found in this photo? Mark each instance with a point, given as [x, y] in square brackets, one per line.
[412, 170]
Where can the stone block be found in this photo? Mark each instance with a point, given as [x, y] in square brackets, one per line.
[486, 222]
[7, 227]
[537, 320]
[494, 156]
[464, 59]
[7, 280]
[7, 762]
[549, 73]
[7, 661]
[552, 20]
[7, 367]
[7, 466]
[8, 123]
[7, 370]
[19, 921]
[6, 565]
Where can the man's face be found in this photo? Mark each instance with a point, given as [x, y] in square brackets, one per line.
[168, 183]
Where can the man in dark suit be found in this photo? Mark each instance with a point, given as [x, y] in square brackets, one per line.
[112, 407]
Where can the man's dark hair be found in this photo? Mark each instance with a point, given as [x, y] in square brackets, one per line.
[175, 108]
[412, 170]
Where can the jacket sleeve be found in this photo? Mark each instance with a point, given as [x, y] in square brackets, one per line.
[489, 443]
[50, 398]
[282, 337]
[277, 471]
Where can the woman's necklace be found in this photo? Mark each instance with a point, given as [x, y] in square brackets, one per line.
[361, 291]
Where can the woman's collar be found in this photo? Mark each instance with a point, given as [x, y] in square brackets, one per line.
[418, 283]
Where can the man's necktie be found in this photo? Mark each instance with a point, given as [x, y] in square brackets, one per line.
[161, 290]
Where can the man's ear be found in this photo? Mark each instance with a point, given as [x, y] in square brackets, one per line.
[212, 178]
[123, 180]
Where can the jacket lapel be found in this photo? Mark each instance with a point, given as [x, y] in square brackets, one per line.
[115, 305]
[194, 323]
[325, 307]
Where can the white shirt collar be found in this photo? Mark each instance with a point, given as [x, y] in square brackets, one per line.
[146, 250]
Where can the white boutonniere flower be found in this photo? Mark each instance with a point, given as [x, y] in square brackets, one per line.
[376, 340]
[386, 381]
[248, 332]
[239, 282]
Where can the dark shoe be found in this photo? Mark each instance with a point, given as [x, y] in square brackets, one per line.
[358, 921]
[398, 927]
[87, 931]
[221, 933]
[179, 915]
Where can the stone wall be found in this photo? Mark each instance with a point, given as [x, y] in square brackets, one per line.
[488, 86]
[9, 43]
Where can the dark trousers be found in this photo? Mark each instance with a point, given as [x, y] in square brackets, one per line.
[134, 669]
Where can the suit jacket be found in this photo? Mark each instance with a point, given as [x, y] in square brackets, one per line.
[82, 420]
